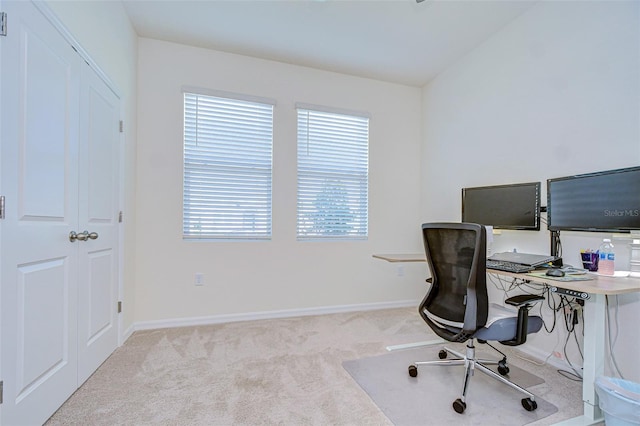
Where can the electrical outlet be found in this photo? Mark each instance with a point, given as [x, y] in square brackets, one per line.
[400, 271]
[199, 279]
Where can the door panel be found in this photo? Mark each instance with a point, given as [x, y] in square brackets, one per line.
[39, 175]
[102, 143]
[99, 312]
[98, 212]
[46, 74]
[42, 324]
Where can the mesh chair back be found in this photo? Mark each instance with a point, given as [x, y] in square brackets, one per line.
[456, 255]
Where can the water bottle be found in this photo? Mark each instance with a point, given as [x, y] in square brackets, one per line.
[606, 258]
[634, 262]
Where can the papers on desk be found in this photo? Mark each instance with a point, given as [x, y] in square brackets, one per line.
[567, 277]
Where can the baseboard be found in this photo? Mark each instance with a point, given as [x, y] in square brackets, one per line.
[127, 333]
[538, 355]
[253, 316]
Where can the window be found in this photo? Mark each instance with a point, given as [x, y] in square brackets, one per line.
[227, 168]
[333, 164]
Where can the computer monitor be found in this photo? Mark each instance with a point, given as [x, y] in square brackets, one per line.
[607, 201]
[513, 206]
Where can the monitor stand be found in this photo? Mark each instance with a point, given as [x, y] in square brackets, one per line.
[555, 237]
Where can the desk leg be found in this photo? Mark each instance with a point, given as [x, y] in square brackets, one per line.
[594, 348]
[593, 365]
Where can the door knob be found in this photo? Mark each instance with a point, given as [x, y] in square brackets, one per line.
[83, 236]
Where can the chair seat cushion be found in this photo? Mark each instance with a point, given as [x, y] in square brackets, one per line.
[502, 323]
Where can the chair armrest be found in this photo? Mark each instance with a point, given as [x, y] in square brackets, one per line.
[523, 302]
[523, 299]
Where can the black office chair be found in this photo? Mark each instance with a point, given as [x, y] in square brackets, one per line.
[456, 306]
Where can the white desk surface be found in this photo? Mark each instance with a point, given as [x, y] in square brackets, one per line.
[411, 257]
[598, 285]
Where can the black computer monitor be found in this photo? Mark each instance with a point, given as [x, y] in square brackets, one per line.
[607, 201]
[514, 206]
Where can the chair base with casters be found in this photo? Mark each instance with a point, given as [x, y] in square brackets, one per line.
[520, 325]
[471, 363]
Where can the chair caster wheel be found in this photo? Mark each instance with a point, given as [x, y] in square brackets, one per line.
[413, 371]
[529, 404]
[459, 406]
[502, 368]
[442, 354]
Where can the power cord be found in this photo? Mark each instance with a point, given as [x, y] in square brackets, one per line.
[575, 373]
[613, 343]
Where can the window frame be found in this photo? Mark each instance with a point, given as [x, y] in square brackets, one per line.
[253, 174]
[327, 179]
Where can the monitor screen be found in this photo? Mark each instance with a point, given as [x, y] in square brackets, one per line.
[515, 206]
[606, 201]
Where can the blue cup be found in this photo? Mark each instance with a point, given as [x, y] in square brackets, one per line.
[590, 261]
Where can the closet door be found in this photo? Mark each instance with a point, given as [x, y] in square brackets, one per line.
[59, 175]
[98, 215]
[39, 177]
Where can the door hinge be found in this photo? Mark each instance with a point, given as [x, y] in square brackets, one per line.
[3, 23]
[1, 390]
[2, 207]
[119, 307]
[120, 216]
[121, 126]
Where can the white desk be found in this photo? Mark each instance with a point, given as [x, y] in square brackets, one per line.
[595, 309]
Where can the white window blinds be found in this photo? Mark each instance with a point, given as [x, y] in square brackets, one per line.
[227, 168]
[333, 167]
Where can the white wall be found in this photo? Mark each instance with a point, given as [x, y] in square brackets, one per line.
[281, 274]
[103, 29]
[555, 93]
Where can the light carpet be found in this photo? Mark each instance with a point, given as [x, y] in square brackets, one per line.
[427, 399]
[271, 372]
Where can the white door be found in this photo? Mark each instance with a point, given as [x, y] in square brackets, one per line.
[58, 174]
[40, 104]
[98, 214]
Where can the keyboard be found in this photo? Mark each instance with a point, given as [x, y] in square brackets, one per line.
[503, 265]
[523, 258]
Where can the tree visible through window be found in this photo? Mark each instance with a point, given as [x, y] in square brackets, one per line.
[333, 161]
[227, 168]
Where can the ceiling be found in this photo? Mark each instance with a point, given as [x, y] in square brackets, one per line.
[399, 41]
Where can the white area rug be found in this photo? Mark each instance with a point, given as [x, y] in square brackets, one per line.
[427, 399]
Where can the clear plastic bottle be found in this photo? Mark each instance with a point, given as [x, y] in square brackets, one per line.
[606, 258]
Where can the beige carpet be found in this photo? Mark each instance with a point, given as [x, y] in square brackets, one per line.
[282, 371]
